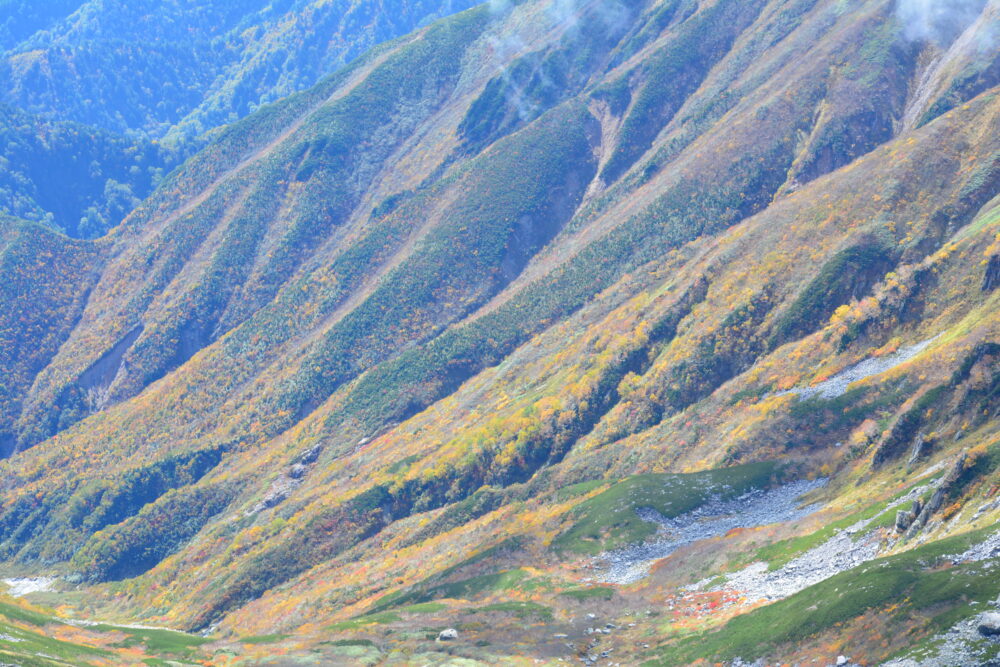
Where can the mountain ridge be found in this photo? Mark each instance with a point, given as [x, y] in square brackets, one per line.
[349, 360]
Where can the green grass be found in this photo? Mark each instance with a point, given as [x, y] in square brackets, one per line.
[609, 520]
[780, 553]
[352, 642]
[26, 648]
[424, 608]
[379, 618]
[519, 609]
[17, 613]
[594, 593]
[157, 640]
[579, 489]
[265, 639]
[431, 588]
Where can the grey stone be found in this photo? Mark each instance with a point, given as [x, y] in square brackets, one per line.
[904, 519]
[989, 624]
[921, 445]
[450, 634]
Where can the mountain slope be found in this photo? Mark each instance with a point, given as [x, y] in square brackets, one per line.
[184, 68]
[409, 348]
[72, 177]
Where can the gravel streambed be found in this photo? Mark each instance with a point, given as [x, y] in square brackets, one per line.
[25, 586]
[713, 519]
[838, 384]
[849, 548]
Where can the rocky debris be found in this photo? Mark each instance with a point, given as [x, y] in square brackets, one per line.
[838, 384]
[963, 644]
[987, 507]
[989, 624]
[988, 548]
[309, 456]
[713, 519]
[841, 552]
[845, 550]
[279, 490]
[448, 635]
[25, 586]
[304, 462]
[288, 481]
[937, 499]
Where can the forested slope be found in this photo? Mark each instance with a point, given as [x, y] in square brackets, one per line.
[408, 349]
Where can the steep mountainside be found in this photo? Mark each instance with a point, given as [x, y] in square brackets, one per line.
[72, 177]
[183, 67]
[103, 82]
[602, 331]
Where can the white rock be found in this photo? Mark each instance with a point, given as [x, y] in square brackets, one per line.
[989, 624]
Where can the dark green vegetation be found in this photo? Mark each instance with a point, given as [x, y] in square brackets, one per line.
[25, 640]
[609, 520]
[46, 277]
[183, 68]
[88, 85]
[848, 276]
[72, 177]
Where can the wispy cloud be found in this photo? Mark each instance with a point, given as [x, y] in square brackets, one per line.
[939, 21]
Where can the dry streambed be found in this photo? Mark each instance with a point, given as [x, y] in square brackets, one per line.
[713, 519]
[849, 548]
[838, 384]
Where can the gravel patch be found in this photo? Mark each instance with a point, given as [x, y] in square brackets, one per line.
[20, 587]
[716, 517]
[845, 550]
[837, 554]
[989, 548]
[838, 384]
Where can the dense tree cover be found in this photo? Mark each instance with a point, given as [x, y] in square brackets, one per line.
[46, 278]
[23, 18]
[153, 68]
[71, 177]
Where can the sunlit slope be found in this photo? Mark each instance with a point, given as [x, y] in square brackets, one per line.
[375, 328]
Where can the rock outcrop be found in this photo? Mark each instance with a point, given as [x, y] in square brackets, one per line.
[992, 278]
[989, 625]
[937, 499]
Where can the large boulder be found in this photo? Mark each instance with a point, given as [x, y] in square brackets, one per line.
[989, 625]
[904, 519]
[451, 634]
